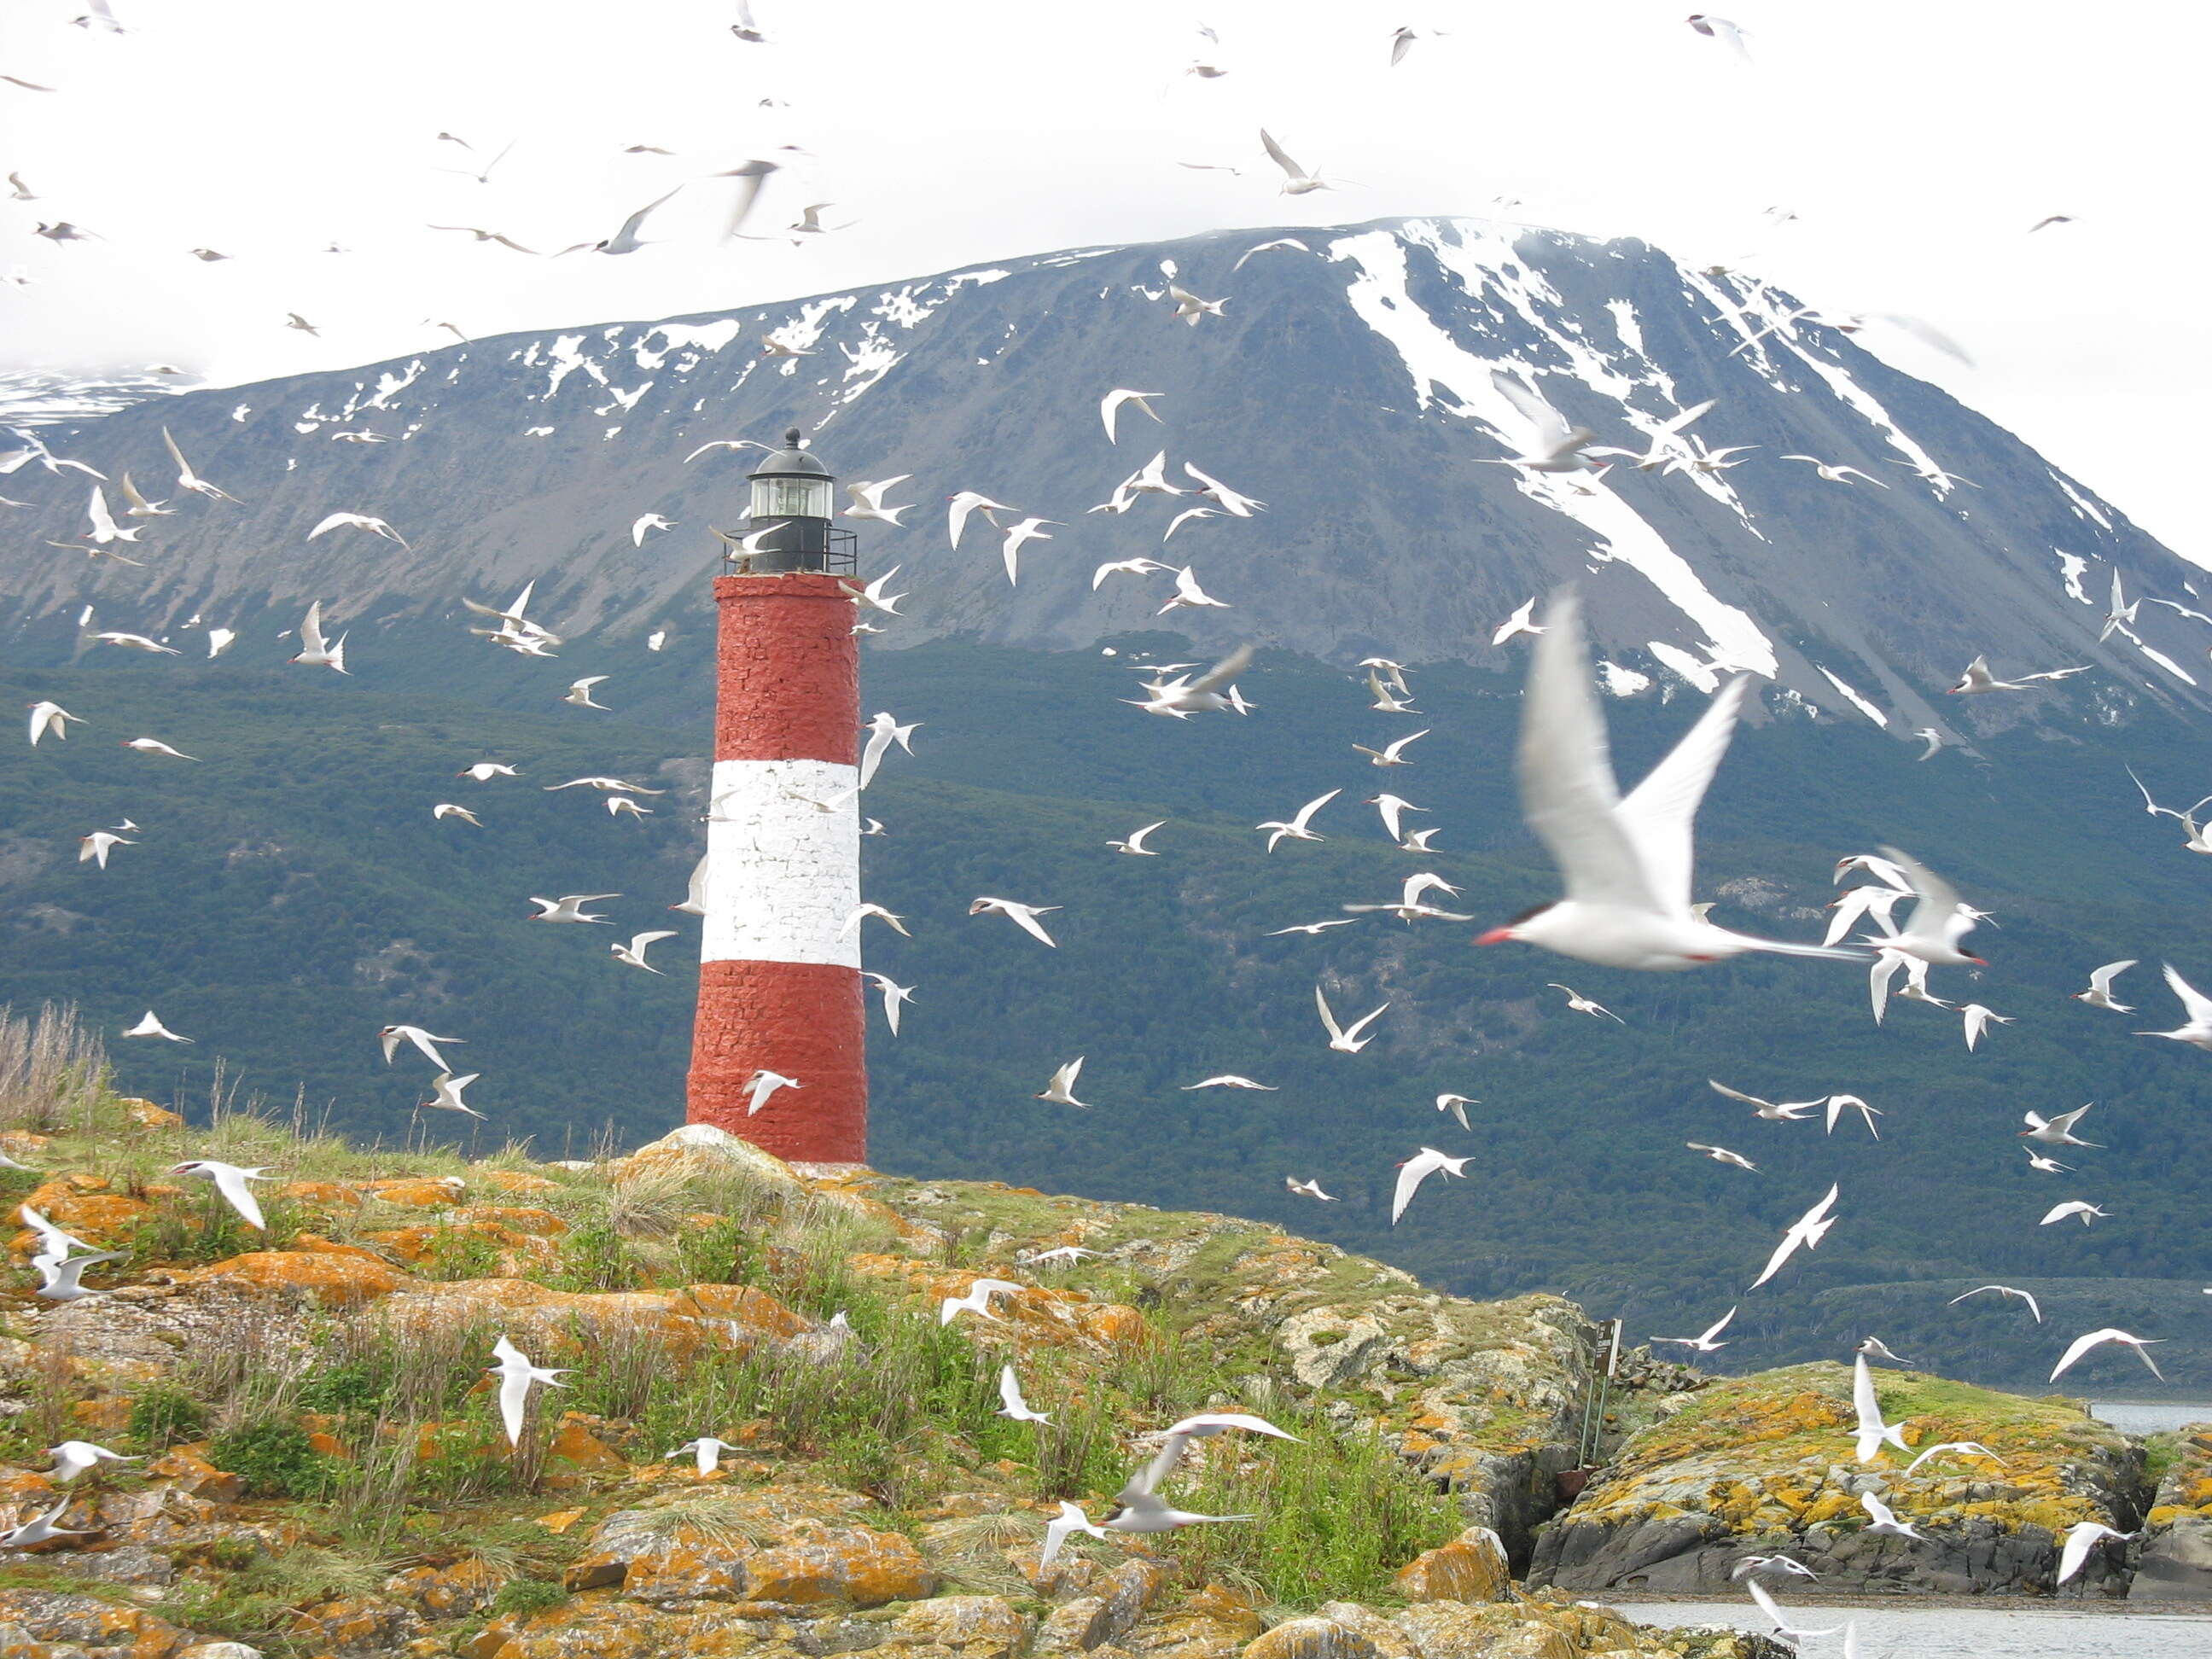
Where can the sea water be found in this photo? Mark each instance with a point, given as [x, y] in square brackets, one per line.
[2102, 1630]
[2150, 1416]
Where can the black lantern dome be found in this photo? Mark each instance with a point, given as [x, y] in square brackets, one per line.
[793, 497]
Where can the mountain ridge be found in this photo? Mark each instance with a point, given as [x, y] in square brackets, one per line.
[1347, 384]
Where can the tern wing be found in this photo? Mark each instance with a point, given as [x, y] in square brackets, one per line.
[631, 225]
[1329, 1019]
[1565, 766]
[1363, 1021]
[1863, 1396]
[1223, 672]
[1409, 1179]
[1938, 899]
[2194, 1002]
[2102, 977]
[1660, 814]
[1547, 421]
[1733, 1094]
[1277, 155]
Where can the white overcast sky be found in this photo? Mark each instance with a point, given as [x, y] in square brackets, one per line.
[1917, 141]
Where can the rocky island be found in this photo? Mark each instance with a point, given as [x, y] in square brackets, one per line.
[316, 1465]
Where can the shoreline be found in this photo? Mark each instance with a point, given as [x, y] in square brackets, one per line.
[2100, 1607]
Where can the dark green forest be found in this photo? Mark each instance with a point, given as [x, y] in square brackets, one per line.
[290, 893]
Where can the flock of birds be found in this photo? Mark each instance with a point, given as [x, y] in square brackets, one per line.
[1625, 861]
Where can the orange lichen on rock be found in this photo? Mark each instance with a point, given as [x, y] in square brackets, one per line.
[332, 1280]
[145, 1114]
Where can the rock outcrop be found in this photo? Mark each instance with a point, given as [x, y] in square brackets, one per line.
[1482, 1396]
[319, 1465]
[1764, 1464]
[2175, 1561]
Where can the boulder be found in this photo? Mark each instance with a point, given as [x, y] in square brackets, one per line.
[325, 1277]
[1312, 1638]
[1385, 1638]
[188, 1471]
[1765, 1463]
[1471, 1568]
[84, 1621]
[702, 1148]
[454, 1591]
[854, 1564]
[589, 1627]
[792, 1546]
[1217, 1622]
[354, 1627]
[957, 1627]
[145, 1114]
[417, 1193]
[1453, 1630]
[1120, 1599]
[2175, 1564]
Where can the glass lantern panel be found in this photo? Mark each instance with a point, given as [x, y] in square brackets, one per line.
[789, 498]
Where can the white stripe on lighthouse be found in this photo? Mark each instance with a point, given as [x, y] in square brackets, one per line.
[783, 863]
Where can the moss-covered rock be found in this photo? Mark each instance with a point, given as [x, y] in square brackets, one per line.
[1764, 1463]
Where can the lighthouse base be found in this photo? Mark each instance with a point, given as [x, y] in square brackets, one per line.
[799, 1019]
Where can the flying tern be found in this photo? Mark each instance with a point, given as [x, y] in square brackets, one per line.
[1626, 863]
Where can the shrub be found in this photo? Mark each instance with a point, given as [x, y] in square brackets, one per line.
[276, 1460]
[726, 1253]
[163, 1415]
[594, 1258]
[350, 1388]
[458, 1254]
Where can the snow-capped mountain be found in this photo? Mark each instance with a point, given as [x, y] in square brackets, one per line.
[31, 398]
[1347, 382]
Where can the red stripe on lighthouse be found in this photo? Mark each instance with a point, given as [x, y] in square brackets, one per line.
[779, 980]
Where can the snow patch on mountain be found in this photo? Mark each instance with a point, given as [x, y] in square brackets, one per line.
[1485, 263]
[32, 398]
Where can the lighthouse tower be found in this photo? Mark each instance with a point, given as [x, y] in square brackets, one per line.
[780, 985]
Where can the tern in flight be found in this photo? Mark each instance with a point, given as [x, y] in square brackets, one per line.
[1342, 1039]
[1626, 863]
[2100, 993]
[1416, 1170]
[1704, 1342]
[1807, 1231]
[2081, 1344]
[2033, 1306]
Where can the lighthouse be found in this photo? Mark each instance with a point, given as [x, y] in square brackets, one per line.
[780, 991]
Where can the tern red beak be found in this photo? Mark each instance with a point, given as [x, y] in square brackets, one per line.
[1495, 936]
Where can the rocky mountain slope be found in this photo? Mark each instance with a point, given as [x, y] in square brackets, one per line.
[1347, 384]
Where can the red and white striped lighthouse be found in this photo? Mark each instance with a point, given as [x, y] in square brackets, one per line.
[780, 991]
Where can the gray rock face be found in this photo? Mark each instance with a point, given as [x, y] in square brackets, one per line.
[2174, 1560]
[1694, 1554]
[2176, 1564]
[1348, 386]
